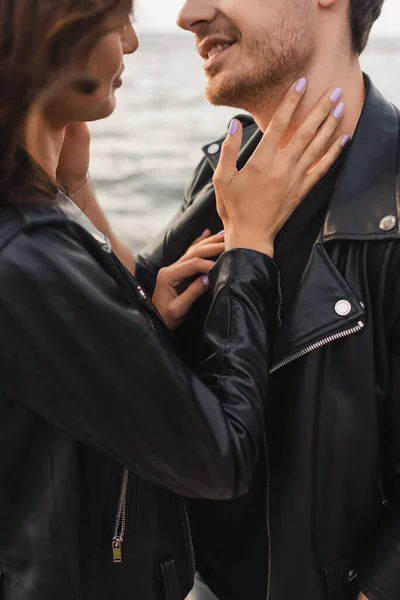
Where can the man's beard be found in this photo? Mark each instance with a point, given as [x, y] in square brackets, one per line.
[271, 62]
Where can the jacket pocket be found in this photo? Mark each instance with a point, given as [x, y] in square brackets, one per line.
[168, 580]
[342, 581]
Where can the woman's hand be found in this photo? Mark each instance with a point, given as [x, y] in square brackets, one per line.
[197, 262]
[255, 203]
[73, 163]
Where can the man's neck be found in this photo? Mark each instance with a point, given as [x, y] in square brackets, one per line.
[321, 78]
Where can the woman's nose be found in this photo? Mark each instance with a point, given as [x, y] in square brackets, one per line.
[130, 41]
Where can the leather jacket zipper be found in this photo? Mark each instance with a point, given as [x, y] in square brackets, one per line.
[189, 538]
[267, 511]
[331, 338]
[384, 501]
[336, 336]
[184, 506]
[120, 519]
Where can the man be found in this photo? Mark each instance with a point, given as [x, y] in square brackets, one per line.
[322, 517]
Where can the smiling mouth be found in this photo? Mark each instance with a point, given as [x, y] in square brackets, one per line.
[215, 52]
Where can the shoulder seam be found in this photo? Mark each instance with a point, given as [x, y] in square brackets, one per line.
[23, 227]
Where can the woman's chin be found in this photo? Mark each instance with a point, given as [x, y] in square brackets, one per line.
[98, 112]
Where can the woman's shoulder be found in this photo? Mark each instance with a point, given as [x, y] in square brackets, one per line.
[18, 218]
[37, 238]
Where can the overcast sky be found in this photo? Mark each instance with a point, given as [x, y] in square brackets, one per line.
[161, 15]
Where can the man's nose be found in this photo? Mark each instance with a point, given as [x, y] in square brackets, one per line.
[130, 42]
[196, 12]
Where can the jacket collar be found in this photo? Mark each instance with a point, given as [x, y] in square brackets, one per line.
[74, 213]
[368, 189]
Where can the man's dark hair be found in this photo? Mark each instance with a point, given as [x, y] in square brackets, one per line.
[363, 14]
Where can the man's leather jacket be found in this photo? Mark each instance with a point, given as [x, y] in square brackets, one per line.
[326, 491]
[103, 427]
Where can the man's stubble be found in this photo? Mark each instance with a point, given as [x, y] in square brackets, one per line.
[269, 62]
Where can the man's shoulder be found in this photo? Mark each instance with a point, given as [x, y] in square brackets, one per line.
[212, 150]
[203, 174]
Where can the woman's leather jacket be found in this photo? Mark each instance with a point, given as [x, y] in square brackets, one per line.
[103, 428]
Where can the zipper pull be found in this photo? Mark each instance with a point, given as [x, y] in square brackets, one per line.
[117, 549]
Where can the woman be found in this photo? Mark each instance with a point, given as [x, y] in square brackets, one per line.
[103, 428]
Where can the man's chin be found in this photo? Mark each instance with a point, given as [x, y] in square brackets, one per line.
[224, 94]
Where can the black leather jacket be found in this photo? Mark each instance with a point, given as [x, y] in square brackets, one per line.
[103, 428]
[326, 494]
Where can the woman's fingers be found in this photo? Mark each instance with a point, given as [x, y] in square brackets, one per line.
[226, 169]
[323, 166]
[279, 123]
[183, 303]
[178, 272]
[206, 251]
[206, 234]
[322, 141]
[207, 247]
[216, 238]
[313, 135]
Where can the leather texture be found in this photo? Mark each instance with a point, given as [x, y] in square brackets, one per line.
[326, 494]
[91, 386]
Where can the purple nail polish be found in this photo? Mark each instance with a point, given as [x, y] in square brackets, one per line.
[345, 141]
[204, 232]
[337, 92]
[221, 232]
[234, 126]
[301, 85]
[337, 113]
[205, 280]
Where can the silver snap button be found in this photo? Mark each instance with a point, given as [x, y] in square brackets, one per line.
[213, 149]
[103, 241]
[388, 223]
[352, 574]
[343, 308]
[99, 237]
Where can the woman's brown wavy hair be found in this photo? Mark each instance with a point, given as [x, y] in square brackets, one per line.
[40, 41]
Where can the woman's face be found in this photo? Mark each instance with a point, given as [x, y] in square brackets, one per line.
[105, 67]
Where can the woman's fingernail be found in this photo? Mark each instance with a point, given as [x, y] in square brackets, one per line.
[205, 280]
[337, 113]
[301, 85]
[335, 95]
[233, 127]
[205, 232]
[345, 141]
[221, 232]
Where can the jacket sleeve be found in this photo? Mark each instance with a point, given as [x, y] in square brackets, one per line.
[381, 577]
[87, 360]
[192, 218]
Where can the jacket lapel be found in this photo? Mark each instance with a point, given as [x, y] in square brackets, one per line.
[325, 309]
[366, 196]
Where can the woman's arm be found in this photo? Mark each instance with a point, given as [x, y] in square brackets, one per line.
[78, 353]
[73, 173]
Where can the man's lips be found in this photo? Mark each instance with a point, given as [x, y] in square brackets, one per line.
[213, 45]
